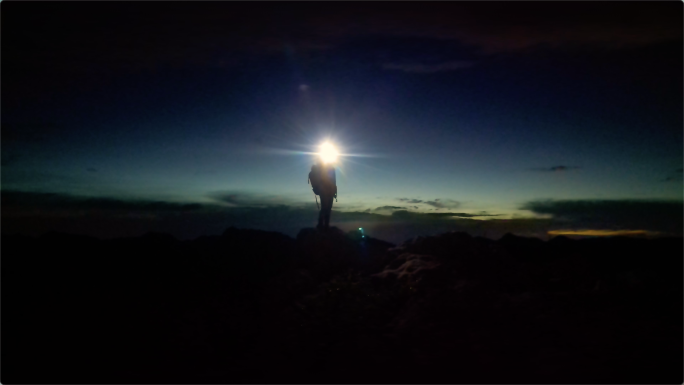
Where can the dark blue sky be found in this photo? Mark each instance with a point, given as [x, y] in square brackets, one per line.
[469, 108]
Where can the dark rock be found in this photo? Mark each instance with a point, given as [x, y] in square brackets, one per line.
[447, 308]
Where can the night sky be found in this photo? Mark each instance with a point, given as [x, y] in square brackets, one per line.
[536, 118]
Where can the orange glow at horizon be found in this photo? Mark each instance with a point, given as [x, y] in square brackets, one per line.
[602, 233]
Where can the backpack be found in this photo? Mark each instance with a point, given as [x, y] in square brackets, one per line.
[315, 179]
[322, 183]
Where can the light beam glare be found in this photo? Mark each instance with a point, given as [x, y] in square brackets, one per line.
[328, 153]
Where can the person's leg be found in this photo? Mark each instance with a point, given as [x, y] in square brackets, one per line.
[328, 209]
[321, 214]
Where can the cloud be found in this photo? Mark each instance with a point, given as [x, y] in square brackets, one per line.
[233, 199]
[18, 178]
[225, 35]
[651, 215]
[243, 199]
[675, 178]
[37, 213]
[407, 200]
[54, 203]
[443, 215]
[105, 217]
[443, 204]
[428, 68]
[523, 27]
[389, 208]
[556, 169]
[483, 214]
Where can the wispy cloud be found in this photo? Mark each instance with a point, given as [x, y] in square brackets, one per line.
[443, 204]
[246, 199]
[382, 208]
[227, 35]
[51, 203]
[422, 68]
[651, 215]
[408, 200]
[556, 168]
[37, 213]
[444, 215]
[678, 177]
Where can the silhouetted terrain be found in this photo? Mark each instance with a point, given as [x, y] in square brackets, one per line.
[260, 307]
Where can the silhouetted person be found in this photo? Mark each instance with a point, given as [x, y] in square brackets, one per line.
[322, 177]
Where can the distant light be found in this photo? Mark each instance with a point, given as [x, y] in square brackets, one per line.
[328, 153]
[360, 229]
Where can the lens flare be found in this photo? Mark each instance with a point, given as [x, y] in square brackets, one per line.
[328, 153]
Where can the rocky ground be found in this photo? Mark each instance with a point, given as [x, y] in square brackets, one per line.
[328, 307]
